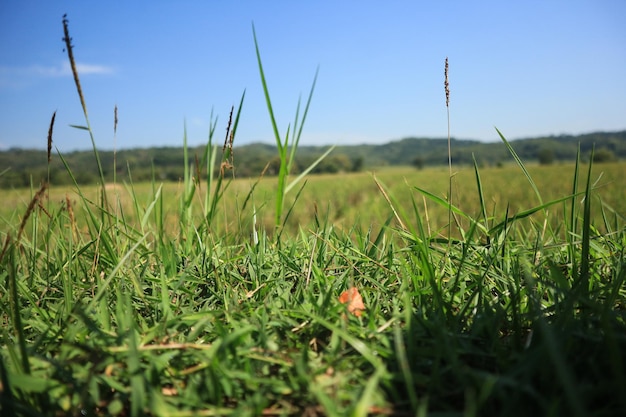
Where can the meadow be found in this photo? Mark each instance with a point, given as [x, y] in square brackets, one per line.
[495, 291]
[134, 308]
[350, 200]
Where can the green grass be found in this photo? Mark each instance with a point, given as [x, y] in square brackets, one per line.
[202, 299]
[114, 320]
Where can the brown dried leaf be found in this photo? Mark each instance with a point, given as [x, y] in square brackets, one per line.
[353, 299]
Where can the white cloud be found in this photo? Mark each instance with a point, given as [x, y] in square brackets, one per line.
[65, 70]
[94, 69]
[20, 76]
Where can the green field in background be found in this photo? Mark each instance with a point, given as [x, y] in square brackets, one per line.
[353, 199]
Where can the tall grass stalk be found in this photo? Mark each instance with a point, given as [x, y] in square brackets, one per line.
[286, 147]
[226, 164]
[446, 84]
[69, 48]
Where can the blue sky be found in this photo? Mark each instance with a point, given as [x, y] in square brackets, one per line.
[529, 68]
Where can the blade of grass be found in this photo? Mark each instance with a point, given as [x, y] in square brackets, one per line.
[266, 93]
[285, 153]
[405, 367]
[481, 196]
[554, 350]
[519, 162]
[573, 220]
[299, 125]
[7, 401]
[308, 169]
[362, 407]
[16, 309]
[583, 279]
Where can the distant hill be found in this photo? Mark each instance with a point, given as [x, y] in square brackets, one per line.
[21, 167]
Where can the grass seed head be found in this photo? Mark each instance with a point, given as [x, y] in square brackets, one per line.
[447, 84]
[70, 54]
[54, 115]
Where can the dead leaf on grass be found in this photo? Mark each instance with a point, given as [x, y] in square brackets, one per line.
[353, 299]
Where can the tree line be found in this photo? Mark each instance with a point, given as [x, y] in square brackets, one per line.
[23, 167]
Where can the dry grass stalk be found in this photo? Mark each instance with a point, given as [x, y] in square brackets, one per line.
[45, 211]
[393, 209]
[54, 115]
[446, 84]
[31, 207]
[70, 54]
[115, 144]
[227, 150]
[50, 129]
[115, 120]
[5, 246]
[70, 212]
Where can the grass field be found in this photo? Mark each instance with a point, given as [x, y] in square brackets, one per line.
[346, 295]
[354, 200]
[105, 314]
